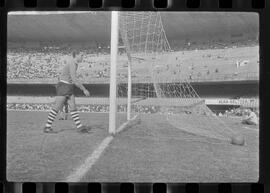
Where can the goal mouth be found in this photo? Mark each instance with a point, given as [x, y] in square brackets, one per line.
[147, 53]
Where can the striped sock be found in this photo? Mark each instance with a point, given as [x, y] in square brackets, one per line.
[76, 119]
[51, 118]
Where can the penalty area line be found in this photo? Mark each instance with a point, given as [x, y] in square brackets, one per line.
[89, 162]
[92, 159]
[125, 124]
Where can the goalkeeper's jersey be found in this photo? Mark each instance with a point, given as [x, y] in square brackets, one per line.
[66, 73]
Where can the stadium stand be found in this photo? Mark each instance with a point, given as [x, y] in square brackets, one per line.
[234, 62]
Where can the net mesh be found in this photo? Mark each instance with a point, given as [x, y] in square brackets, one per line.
[154, 88]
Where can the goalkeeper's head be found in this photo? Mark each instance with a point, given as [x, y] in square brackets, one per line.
[77, 56]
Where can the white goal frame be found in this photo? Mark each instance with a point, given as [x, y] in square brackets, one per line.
[113, 75]
[113, 71]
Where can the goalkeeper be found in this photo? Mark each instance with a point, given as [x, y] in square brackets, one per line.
[65, 92]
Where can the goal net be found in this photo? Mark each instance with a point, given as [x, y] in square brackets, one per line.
[146, 85]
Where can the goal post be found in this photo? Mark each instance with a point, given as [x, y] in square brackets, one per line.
[113, 71]
[113, 77]
[129, 89]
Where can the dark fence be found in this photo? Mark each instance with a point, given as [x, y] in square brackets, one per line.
[205, 90]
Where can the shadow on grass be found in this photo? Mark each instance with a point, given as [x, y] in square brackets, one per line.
[89, 129]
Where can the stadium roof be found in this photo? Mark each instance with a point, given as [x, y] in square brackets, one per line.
[95, 26]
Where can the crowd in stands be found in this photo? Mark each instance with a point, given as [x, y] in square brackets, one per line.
[93, 108]
[214, 44]
[32, 63]
[249, 116]
[102, 108]
[222, 64]
[43, 64]
[47, 107]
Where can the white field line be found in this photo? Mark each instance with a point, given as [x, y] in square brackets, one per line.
[92, 159]
[125, 124]
[89, 162]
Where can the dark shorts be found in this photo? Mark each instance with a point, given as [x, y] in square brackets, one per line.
[63, 89]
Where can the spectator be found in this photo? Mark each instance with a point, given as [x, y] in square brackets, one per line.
[251, 118]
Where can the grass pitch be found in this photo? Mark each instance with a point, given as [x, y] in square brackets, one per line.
[152, 151]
